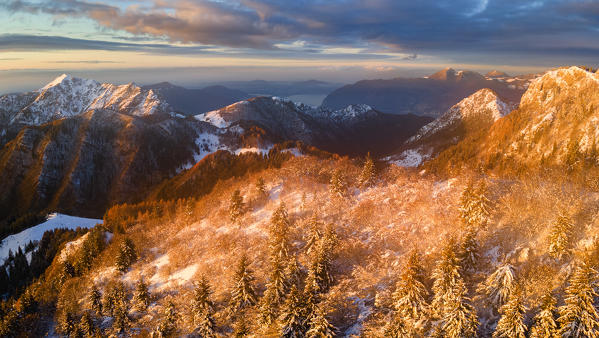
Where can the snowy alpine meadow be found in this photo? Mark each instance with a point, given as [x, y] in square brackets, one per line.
[34, 234]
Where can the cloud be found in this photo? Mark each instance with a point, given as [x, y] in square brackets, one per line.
[22, 42]
[564, 27]
[84, 61]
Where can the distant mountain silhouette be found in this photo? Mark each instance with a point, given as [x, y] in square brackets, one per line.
[431, 95]
[196, 101]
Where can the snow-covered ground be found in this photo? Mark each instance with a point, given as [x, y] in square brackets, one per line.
[35, 233]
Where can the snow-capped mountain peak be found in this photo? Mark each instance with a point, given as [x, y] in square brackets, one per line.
[67, 96]
[483, 104]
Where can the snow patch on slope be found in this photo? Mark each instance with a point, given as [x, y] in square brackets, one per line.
[35, 233]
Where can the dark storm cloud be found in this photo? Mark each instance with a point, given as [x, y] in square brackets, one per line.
[565, 27]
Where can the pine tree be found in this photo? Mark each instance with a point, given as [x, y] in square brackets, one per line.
[120, 315]
[397, 329]
[292, 317]
[511, 324]
[499, 285]
[319, 326]
[320, 271]
[236, 206]
[126, 256]
[67, 323]
[409, 298]
[459, 319]
[475, 207]
[261, 188]
[314, 234]
[241, 327]
[466, 203]
[468, 254]
[141, 297]
[578, 316]
[293, 273]
[168, 324]
[268, 309]
[279, 234]
[202, 308]
[481, 206]
[277, 286]
[113, 298]
[68, 271]
[338, 185]
[559, 244]
[95, 299]
[243, 294]
[86, 325]
[544, 322]
[367, 176]
[446, 277]
[4, 280]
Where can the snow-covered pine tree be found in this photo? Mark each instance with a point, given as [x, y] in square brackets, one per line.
[481, 208]
[236, 206]
[559, 239]
[367, 175]
[202, 309]
[279, 234]
[274, 296]
[67, 324]
[68, 271]
[409, 298]
[459, 319]
[544, 324]
[261, 188]
[318, 325]
[87, 326]
[277, 286]
[511, 324]
[498, 286]
[243, 294]
[314, 234]
[321, 261]
[466, 203]
[201, 296]
[468, 254]
[475, 207]
[268, 309]
[168, 325]
[121, 320]
[95, 300]
[241, 327]
[578, 317]
[338, 185]
[141, 297]
[446, 277]
[294, 273]
[113, 297]
[126, 256]
[293, 320]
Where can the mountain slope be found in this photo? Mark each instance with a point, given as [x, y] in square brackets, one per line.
[196, 101]
[555, 124]
[82, 164]
[473, 114]
[430, 96]
[354, 130]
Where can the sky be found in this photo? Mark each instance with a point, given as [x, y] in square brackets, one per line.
[196, 42]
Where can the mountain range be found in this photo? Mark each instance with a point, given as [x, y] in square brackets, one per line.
[431, 95]
[78, 146]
